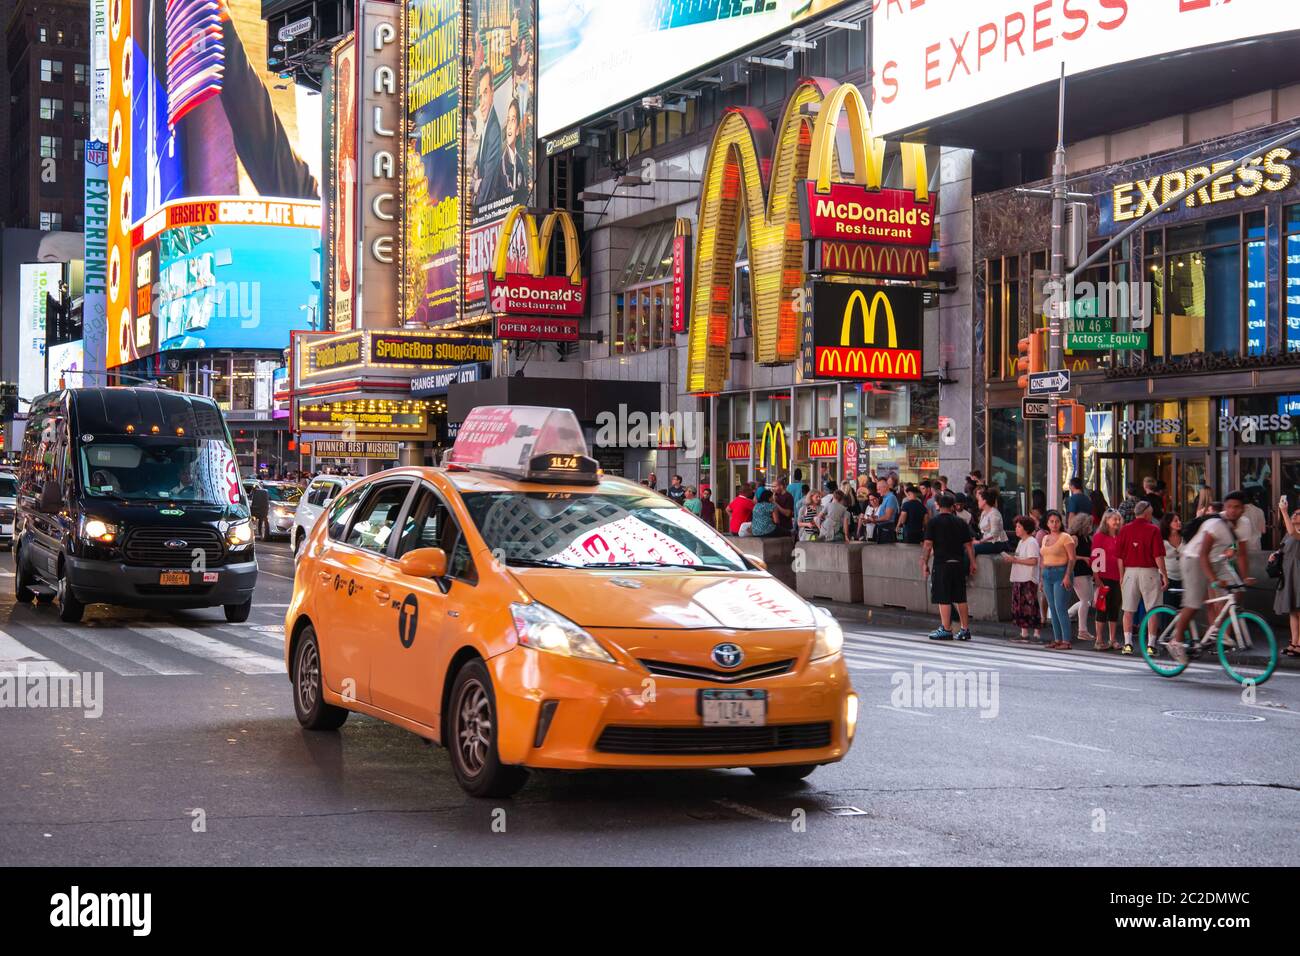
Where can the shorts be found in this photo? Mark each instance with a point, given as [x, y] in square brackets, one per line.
[1196, 586]
[948, 582]
[1141, 584]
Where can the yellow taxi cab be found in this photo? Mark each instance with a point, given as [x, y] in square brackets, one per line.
[524, 610]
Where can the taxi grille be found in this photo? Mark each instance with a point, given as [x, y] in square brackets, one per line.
[671, 669]
[147, 546]
[713, 740]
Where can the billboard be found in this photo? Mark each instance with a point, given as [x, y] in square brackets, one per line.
[192, 113]
[343, 211]
[936, 57]
[432, 228]
[67, 362]
[593, 55]
[94, 307]
[380, 148]
[500, 135]
[36, 280]
[871, 332]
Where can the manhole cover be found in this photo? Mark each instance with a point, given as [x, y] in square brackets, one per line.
[846, 812]
[1223, 716]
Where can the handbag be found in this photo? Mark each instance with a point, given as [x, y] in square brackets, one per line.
[1103, 591]
[1274, 567]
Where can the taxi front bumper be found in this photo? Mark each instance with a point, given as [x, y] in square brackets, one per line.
[565, 713]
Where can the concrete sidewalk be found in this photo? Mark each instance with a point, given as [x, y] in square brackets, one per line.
[863, 616]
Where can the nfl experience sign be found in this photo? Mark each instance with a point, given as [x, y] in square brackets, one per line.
[871, 332]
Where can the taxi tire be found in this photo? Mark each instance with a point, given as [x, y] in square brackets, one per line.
[494, 779]
[322, 715]
[790, 773]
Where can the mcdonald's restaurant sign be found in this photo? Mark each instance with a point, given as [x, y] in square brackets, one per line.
[773, 451]
[823, 448]
[518, 299]
[868, 259]
[871, 332]
[750, 176]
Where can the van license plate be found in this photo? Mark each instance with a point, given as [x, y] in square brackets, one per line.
[174, 577]
[733, 708]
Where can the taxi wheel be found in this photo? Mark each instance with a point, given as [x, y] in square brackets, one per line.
[472, 737]
[309, 704]
[786, 774]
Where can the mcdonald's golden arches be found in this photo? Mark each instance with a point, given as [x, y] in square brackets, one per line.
[870, 332]
[773, 432]
[536, 293]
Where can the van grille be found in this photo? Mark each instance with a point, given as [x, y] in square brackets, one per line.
[713, 740]
[147, 546]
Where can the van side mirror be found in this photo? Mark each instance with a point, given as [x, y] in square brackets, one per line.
[51, 497]
[424, 563]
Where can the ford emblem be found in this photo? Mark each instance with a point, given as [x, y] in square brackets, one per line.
[176, 543]
[728, 655]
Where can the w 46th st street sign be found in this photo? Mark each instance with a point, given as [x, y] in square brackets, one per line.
[1049, 383]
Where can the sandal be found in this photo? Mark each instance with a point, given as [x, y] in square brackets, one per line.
[1100, 646]
[1290, 651]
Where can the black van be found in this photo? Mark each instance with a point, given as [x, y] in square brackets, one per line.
[131, 496]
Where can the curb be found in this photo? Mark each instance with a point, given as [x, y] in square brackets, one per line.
[1002, 630]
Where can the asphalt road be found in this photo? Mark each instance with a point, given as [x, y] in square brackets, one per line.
[197, 759]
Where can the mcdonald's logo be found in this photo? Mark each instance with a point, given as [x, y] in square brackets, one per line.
[775, 433]
[536, 293]
[888, 322]
[869, 259]
[760, 179]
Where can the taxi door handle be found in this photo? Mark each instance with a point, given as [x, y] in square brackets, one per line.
[325, 577]
[381, 597]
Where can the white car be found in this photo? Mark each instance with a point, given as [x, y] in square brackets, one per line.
[322, 490]
[8, 502]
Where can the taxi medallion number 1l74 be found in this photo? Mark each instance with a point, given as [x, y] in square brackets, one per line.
[733, 708]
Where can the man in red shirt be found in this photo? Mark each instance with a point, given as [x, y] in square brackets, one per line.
[741, 508]
[1141, 568]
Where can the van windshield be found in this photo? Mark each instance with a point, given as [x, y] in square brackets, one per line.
[193, 470]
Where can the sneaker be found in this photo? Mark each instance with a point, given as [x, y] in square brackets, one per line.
[1178, 651]
[963, 634]
[941, 634]
[1128, 650]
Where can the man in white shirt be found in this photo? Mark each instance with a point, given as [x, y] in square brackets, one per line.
[1255, 516]
[1206, 561]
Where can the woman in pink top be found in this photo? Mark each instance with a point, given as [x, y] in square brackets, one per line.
[1105, 566]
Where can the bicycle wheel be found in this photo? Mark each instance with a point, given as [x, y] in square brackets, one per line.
[1248, 650]
[1159, 659]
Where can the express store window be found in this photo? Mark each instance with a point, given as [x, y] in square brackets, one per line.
[640, 314]
[1205, 278]
[1291, 270]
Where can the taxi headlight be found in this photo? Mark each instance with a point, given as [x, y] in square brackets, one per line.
[541, 628]
[830, 636]
[241, 532]
[96, 529]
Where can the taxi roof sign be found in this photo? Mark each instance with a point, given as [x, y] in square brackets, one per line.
[528, 442]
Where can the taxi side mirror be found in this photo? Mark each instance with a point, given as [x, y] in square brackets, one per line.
[424, 563]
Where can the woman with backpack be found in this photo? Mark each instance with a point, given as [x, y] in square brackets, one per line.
[1287, 599]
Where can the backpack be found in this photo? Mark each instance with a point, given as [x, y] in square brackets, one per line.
[1192, 527]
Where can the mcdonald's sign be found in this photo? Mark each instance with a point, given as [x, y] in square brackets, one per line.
[773, 433]
[866, 331]
[868, 259]
[535, 292]
[757, 176]
[823, 448]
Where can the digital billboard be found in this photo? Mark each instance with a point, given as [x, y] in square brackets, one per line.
[66, 363]
[500, 127]
[594, 54]
[935, 57]
[432, 230]
[192, 113]
[343, 187]
[36, 280]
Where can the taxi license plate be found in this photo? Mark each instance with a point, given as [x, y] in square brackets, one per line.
[174, 577]
[733, 708]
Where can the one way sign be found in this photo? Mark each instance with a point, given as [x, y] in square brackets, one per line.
[1049, 383]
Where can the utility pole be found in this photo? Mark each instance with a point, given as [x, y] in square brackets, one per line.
[1057, 300]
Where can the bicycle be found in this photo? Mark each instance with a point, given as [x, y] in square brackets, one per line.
[1234, 633]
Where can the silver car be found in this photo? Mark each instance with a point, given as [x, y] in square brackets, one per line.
[318, 496]
[8, 502]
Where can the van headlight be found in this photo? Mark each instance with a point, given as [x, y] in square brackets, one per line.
[830, 636]
[542, 629]
[98, 530]
[239, 533]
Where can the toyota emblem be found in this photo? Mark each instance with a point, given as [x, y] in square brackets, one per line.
[728, 655]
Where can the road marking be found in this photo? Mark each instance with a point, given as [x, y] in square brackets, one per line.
[200, 645]
[274, 575]
[957, 661]
[904, 710]
[123, 659]
[1117, 687]
[1068, 743]
[749, 811]
[15, 655]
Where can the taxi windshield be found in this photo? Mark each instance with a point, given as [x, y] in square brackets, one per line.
[595, 530]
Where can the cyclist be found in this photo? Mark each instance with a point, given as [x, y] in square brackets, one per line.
[1207, 560]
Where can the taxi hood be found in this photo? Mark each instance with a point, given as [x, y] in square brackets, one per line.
[667, 599]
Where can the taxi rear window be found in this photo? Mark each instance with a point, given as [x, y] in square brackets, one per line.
[596, 529]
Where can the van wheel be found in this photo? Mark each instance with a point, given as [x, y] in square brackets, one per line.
[22, 580]
[238, 613]
[71, 611]
[309, 704]
[472, 737]
[786, 774]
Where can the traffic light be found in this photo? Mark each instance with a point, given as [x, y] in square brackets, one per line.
[1032, 356]
[1069, 420]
